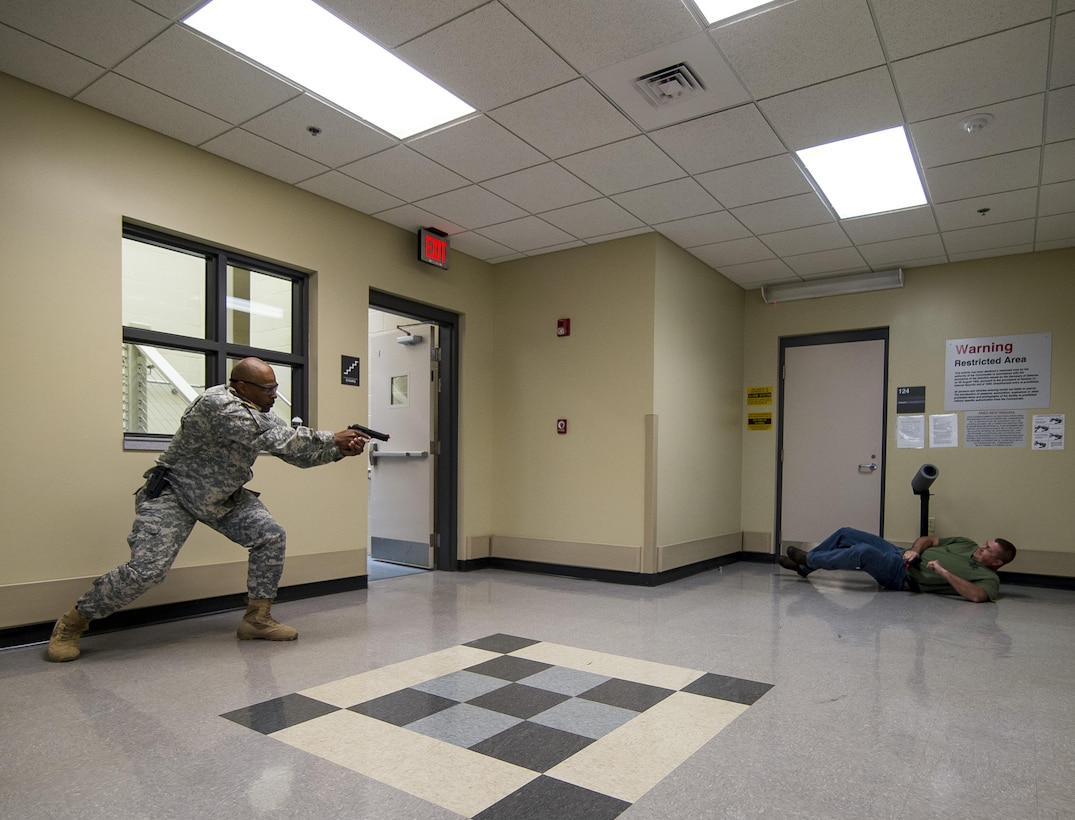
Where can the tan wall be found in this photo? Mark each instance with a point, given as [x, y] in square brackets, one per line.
[697, 401]
[585, 488]
[71, 174]
[981, 492]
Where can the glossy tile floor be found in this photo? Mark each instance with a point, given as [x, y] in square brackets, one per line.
[882, 704]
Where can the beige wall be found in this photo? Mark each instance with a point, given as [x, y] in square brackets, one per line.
[655, 471]
[981, 492]
[71, 174]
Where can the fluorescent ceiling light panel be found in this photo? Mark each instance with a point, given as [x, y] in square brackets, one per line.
[715, 10]
[317, 50]
[870, 174]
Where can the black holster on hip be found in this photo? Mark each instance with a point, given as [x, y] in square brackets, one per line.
[157, 481]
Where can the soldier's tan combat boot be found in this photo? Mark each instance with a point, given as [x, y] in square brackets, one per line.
[63, 645]
[258, 624]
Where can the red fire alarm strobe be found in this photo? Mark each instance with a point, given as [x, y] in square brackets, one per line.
[561, 426]
[563, 327]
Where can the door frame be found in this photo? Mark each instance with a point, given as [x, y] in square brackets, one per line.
[446, 466]
[829, 338]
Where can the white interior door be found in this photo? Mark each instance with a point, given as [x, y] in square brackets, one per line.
[833, 432]
[401, 469]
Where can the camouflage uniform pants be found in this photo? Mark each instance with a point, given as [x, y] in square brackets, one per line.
[161, 527]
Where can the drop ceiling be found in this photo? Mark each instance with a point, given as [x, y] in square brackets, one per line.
[565, 150]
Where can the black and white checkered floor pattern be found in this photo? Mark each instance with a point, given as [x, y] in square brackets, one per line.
[508, 727]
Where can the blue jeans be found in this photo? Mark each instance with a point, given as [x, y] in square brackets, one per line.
[854, 549]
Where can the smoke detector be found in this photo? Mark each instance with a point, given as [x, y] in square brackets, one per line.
[976, 122]
[669, 85]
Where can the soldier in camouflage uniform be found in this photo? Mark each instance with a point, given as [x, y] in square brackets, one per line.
[201, 477]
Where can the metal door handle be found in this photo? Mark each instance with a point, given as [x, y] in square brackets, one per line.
[867, 468]
[376, 454]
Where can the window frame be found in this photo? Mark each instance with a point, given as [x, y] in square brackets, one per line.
[215, 347]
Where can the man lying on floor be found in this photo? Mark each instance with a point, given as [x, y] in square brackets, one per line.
[942, 565]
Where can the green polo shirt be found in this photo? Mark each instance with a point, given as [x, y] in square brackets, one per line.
[954, 555]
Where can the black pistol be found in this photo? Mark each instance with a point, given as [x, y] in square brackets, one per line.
[369, 432]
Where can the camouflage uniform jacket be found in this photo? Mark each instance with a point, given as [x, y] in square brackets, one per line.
[220, 437]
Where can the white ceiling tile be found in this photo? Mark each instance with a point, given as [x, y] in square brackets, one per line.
[565, 120]
[706, 229]
[849, 106]
[478, 149]
[472, 207]
[172, 9]
[487, 58]
[1009, 206]
[189, 68]
[806, 240]
[989, 236]
[903, 251]
[267, 157]
[562, 246]
[1017, 124]
[1060, 122]
[541, 188]
[982, 72]
[1059, 162]
[350, 192]
[734, 252]
[1001, 172]
[404, 173]
[800, 44]
[1064, 6]
[479, 246]
[895, 225]
[668, 200]
[719, 140]
[526, 234]
[396, 22]
[590, 35]
[758, 181]
[607, 237]
[39, 63]
[103, 32]
[341, 138]
[1057, 227]
[783, 214]
[131, 101]
[916, 26]
[750, 274]
[621, 166]
[1058, 198]
[991, 252]
[595, 218]
[824, 263]
[412, 218]
[1062, 71]
[719, 88]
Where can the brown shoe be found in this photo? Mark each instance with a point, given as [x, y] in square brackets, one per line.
[63, 645]
[258, 624]
[787, 563]
[797, 555]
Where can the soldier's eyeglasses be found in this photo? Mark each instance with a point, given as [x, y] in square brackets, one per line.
[268, 388]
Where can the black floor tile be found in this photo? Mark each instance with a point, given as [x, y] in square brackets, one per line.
[737, 690]
[279, 713]
[532, 746]
[403, 707]
[546, 798]
[518, 700]
[501, 643]
[509, 668]
[627, 694]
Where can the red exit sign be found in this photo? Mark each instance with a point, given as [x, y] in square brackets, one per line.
[433, 247]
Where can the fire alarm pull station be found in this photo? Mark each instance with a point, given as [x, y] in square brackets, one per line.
[561, 426]
[563, 327]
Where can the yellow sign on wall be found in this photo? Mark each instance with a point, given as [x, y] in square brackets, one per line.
[759, 421]
[759, 395]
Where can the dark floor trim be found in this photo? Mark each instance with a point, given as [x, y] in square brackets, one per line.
[613, 576]
[162, 613]
[1027, 579]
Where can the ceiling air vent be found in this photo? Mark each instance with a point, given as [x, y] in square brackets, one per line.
[669, 85]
